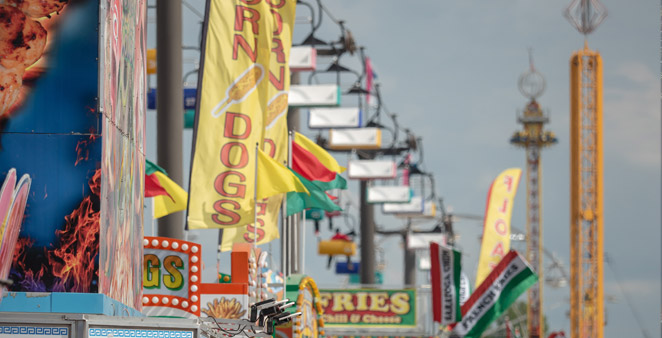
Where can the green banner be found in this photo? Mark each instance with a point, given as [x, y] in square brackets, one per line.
[369, 308]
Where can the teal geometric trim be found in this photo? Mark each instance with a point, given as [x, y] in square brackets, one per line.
[93, 333]
[44, 331]
[64, 302]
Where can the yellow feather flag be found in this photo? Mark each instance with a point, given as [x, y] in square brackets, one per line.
[274, 125]
[322, 155]
[164, 204]
[274, 178]
[496, 227]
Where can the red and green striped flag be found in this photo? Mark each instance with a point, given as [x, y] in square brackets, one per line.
[322, 155]
[152, 185]
[509, 279]
[318, 198]
[311, 168]
[445, 270]
[318, 171]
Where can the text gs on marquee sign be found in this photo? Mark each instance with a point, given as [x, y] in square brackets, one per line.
[169, 272]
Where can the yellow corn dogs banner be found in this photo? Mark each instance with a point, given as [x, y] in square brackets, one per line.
[243, 90]
[275, 144]
[496, 229]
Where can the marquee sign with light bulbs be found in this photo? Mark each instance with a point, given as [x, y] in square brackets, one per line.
[171, 277]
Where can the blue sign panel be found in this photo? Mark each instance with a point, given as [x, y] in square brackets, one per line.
[348, 268]
[190, 97]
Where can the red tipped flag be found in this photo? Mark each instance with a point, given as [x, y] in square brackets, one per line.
[310, 167]
[159, 185]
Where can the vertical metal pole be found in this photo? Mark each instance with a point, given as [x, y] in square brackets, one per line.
[367, 237]
[286, 253]
[302, 233]
[295, 243]
[293, 124]
[152, 218]
[285, 220]
[534, 239]
[169, 103]
[283, 245]
[598, 225]
[257, 149]
[293, 119]
[409, 262]
[576, 236]
[289, 264]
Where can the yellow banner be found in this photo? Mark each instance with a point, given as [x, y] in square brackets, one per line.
[496, 229]
[275, 142]
[245, 78]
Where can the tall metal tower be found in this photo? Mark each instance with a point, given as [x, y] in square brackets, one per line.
[586, 212]
[533, 138]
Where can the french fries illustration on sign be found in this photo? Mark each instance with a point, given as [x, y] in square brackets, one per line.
[224, 308]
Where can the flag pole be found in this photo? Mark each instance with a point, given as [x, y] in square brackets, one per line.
[257, 149]
[152, 218]
[295, 243]
[303, 243]
[290, 219]
[283, 239]
[283, 219]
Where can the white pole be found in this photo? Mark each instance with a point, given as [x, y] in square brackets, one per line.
[218, 252]
[290, 219]
[152, 208]
[295, 243]
[257, 149]
[283, 220]
[287, 246]
[283, 239]
[303, 244]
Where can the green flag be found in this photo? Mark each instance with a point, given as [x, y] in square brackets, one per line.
[337, 183]
[298, 202]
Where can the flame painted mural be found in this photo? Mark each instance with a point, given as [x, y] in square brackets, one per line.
[51, 132]
[85, 166]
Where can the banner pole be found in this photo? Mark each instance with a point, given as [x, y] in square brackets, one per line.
[257, 145]
[283, 219]
[290, 219]
[152, 218]
[283, 235]
[294, 225]
[303, 244]
[295, 243]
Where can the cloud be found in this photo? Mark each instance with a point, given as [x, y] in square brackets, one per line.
[631, 287]
[632, 115]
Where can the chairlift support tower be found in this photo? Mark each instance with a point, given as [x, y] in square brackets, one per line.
[533, 138]
[586, 189]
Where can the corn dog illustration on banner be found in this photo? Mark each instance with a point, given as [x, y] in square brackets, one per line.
[243, 89]
[277, 108]
[240, 88]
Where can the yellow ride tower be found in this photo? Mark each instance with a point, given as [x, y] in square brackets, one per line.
[586, 205]
[586, 213]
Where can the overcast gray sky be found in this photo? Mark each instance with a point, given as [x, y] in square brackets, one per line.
[449, 70]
